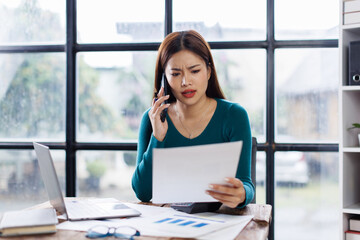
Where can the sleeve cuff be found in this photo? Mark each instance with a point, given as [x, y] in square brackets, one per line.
[154, 143]
[249, 195]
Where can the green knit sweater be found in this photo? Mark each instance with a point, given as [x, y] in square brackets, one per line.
[229, 123]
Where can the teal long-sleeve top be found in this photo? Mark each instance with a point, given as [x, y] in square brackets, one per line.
[229, 123]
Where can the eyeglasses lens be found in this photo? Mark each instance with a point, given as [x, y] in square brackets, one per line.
[125, 232]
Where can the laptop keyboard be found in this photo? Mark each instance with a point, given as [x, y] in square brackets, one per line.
[77, 209]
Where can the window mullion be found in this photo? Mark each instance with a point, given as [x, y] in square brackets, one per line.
[70, 164]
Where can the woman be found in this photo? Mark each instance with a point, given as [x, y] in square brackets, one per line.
[196, 114]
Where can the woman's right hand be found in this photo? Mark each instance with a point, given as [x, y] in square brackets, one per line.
[159, 128]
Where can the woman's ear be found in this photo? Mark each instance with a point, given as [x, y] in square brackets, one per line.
[208, 72]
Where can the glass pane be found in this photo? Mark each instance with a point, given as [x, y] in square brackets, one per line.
[242, 76]
[120, 21]
[306, 83]
[260, 178]
[114, 89]
[306, 196]
[21, 185]
[32, 97]
[227, 20]
[106, 174]
[308, 19]
[32, 22]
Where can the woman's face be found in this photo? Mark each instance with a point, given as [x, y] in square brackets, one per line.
[188, 76]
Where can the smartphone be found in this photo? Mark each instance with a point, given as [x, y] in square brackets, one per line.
[164, 84]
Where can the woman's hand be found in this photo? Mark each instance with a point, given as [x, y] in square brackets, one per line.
[159, 127]
[231, 195]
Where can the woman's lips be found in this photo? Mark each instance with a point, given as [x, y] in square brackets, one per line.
[188, 93]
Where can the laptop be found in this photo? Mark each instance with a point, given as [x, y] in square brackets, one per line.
[77, 209]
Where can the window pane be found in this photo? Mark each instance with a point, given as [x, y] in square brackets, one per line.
[228, 20]
[21, 185]
[306, 83]
[307, 19]
[32, 96]
[260, 178]
[242, 76]
[106, 174]
[306, 198]
[32, 22]
[114, 90]
[120, 21]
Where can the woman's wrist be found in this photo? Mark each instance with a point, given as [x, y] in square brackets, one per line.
[159, 138]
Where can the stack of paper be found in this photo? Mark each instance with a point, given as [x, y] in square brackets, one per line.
[352, 12]
[36, 221]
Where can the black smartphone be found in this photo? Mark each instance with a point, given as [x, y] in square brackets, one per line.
[164, 84]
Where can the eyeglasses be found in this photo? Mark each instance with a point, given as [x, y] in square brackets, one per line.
[124, 232]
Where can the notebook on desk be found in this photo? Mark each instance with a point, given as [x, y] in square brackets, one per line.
[76, 209]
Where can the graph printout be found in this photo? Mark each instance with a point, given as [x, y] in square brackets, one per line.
[186, 225]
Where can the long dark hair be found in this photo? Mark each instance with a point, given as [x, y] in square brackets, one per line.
[194, 42]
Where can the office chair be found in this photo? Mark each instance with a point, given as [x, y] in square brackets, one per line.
[253, 165]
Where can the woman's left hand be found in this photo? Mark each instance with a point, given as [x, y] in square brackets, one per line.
[231, 195]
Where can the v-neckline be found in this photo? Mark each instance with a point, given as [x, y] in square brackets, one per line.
[207, 126]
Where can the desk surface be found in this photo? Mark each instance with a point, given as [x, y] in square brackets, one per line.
[257, 229]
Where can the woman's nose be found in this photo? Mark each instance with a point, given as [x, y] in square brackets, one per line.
[185, 81]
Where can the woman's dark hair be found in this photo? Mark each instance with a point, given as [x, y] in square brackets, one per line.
[191, 41]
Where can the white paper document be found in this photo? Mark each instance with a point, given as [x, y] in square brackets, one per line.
[183, 174]
[163, 221]
[199, 225]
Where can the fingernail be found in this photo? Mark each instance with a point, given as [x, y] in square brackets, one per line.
[211, 186]
[207, 192]
[227, 179]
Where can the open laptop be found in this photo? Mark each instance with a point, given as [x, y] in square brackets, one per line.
[76, 209]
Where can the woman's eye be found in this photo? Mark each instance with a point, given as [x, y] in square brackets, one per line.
[175, 74]
[195, 71]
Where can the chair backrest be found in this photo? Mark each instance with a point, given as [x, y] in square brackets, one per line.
[253, 165]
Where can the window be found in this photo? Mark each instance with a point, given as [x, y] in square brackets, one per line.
[112, 21]
[80, 81]
[113, 89]
[306, 95]
[32, 96]
[304, 195]
[229, 21]
[21, 184]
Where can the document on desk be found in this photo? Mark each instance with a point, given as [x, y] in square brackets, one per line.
[163, 221]
[183, 174]
[183, 225]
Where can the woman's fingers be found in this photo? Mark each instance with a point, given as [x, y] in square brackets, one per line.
[159, 110]
[159, 127]
[234, 181]
[231, 195]
[161, 92]
[158, 104]
[227, 199]
[234, 185]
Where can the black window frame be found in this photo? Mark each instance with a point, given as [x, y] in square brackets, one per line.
[71, 48]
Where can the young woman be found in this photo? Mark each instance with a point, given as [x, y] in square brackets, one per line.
[196, 114]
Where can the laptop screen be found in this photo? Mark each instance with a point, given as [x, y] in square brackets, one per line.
[49, 176]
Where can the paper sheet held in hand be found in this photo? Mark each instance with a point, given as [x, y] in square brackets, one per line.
[183, 174]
